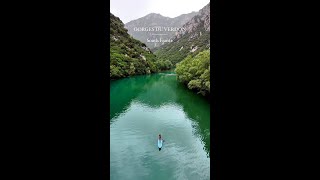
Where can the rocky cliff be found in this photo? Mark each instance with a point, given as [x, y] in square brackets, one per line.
[193, 38]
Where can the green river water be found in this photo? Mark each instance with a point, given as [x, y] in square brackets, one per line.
[141, 107]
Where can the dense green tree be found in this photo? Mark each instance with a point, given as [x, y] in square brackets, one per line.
[195, 72]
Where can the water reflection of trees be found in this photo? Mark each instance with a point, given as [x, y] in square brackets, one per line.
[161, 92]
[158, 90]
[196, 108]
[124, 91]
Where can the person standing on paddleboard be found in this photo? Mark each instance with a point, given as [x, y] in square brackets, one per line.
[160, 141]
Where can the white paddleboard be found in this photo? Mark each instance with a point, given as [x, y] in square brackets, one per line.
[160, 143]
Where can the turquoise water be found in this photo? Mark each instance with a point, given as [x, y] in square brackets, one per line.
[141, 107]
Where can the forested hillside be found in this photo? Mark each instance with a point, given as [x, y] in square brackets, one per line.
[195, 72]
[128, 56]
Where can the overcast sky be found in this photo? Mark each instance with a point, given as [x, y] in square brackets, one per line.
[128, 10]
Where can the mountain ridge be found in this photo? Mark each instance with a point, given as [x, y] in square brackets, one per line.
[156, 20]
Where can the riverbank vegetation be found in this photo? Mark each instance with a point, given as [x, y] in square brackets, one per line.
[181, 48]
[195, 72]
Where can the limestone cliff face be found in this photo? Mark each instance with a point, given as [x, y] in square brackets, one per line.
[198, 23]
[193, 38]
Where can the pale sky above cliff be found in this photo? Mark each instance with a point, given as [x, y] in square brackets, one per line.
[128, 10]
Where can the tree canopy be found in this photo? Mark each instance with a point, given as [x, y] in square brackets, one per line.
[195, 72]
